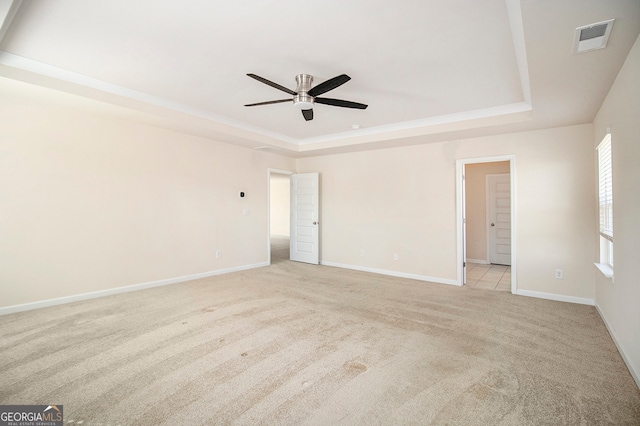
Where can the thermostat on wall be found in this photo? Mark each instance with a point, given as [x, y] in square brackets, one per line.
[241, 194]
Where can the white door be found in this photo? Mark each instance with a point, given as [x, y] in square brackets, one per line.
[499, 219]
[305, 202]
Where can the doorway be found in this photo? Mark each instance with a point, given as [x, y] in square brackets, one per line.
[481, 246]
[279, 215]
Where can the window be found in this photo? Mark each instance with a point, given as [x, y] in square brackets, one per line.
[605, 201]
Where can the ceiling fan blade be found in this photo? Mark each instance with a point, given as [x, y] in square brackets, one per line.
[272, 84]
[307, 114]
[340, 103]
[330, 84]
[270, 102]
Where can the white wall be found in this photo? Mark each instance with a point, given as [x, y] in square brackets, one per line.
[619, 300]
[91, 201]
[279, 204]
[402, 200]
[476, 206]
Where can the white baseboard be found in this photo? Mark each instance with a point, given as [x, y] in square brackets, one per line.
[479, 261]
[557, 297]
[392, 273]
[614, 337]
[134, 287]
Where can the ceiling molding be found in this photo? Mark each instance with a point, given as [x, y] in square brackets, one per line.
[517, 34]
[35, 72]
[8, 10]
[444, 123]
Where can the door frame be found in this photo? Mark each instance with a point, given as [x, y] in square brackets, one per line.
[271, 171]
[460, 203]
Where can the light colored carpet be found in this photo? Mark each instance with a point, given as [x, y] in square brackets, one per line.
[299, 344]
[279, 248]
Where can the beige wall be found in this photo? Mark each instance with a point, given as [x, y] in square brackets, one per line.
[385, 202]
[476, 206]
[90, 201]
[619, 300]
[279, 204]
[402, 200]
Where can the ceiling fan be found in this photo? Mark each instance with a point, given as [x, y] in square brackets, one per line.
[305, 96]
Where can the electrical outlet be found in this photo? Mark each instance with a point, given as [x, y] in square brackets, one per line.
[361, 252]
[218, 254]
[395, 256]
[559, 274]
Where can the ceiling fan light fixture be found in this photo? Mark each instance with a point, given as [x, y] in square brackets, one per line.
[303, 101]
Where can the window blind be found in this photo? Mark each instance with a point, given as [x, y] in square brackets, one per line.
[605, 188]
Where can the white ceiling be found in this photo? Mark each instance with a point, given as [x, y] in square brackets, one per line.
[429, 70]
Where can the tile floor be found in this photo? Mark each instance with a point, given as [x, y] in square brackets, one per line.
[491, 277]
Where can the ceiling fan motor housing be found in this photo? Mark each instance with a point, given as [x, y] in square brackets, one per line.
[302, 100]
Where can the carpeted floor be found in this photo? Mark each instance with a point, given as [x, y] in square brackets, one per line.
[300, 344]
[279, 249]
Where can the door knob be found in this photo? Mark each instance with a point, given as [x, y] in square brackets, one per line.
[315, 223]
[493, 224]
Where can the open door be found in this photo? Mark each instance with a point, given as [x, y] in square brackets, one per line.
[305, 220]
[499, 219]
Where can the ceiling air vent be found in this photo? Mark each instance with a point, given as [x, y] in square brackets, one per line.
[591, 37]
